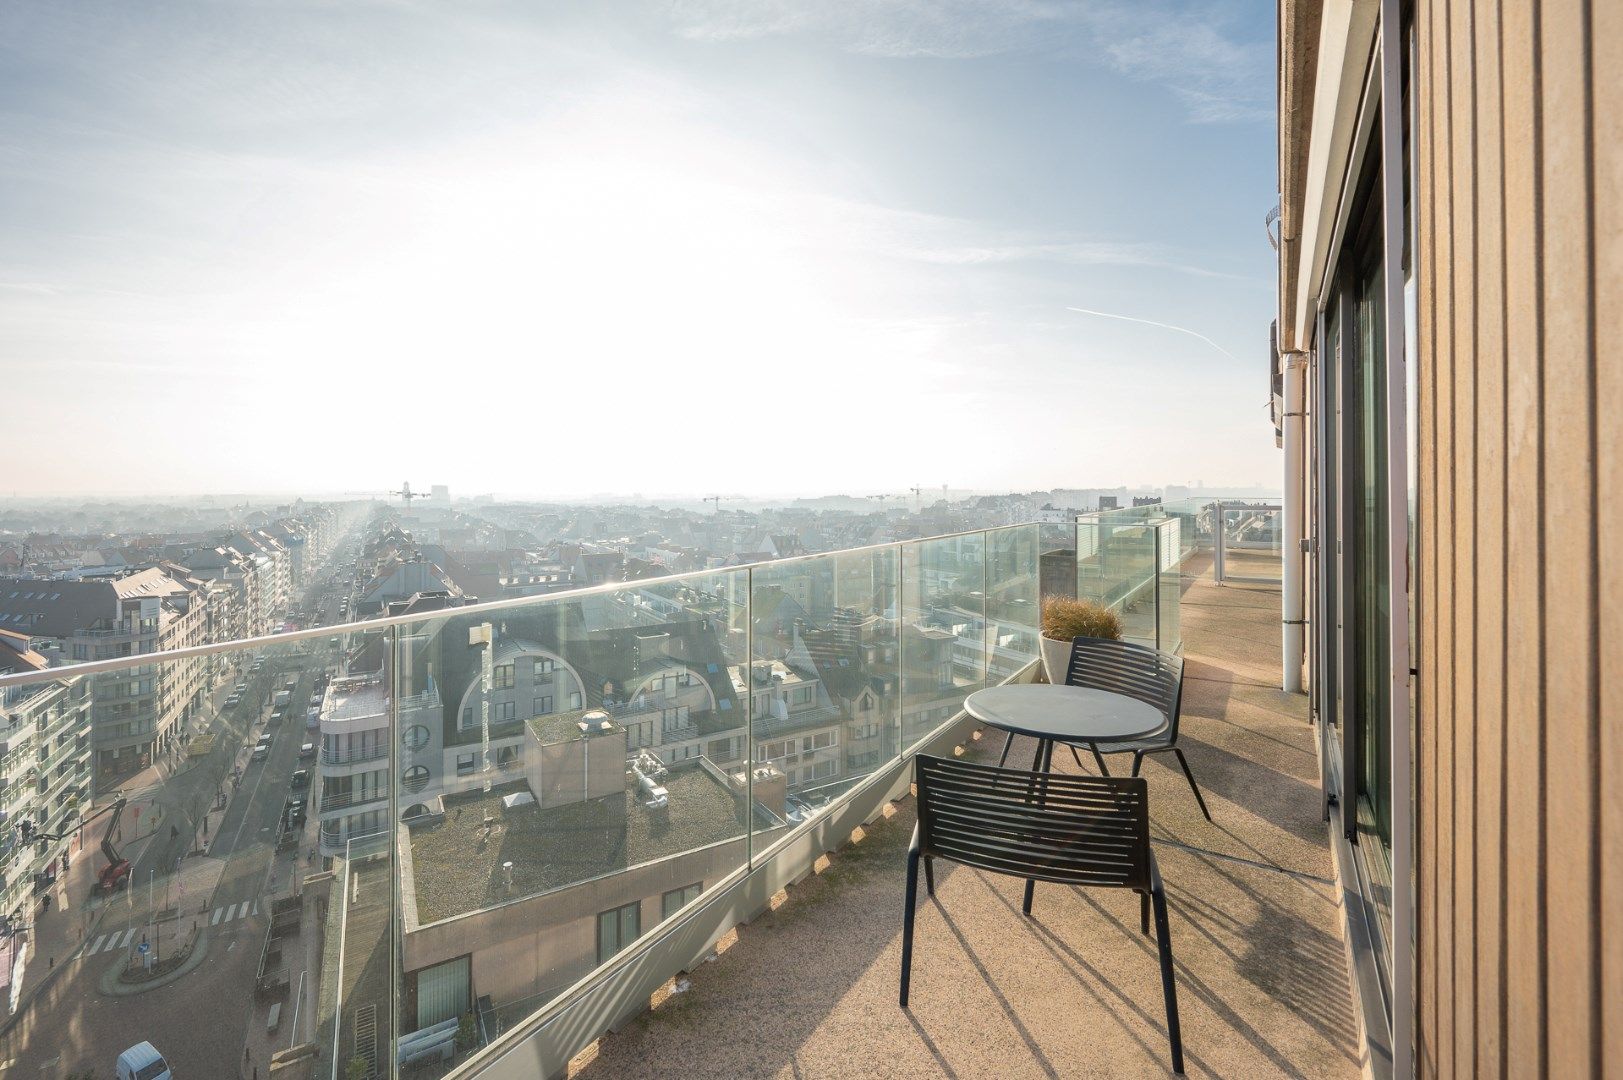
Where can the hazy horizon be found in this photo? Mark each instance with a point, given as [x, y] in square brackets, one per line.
[692, 246]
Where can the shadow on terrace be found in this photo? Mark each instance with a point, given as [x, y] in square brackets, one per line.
[809, 988]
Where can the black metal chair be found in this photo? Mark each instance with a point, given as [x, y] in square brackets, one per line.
[1144, 674]
[1072, 830]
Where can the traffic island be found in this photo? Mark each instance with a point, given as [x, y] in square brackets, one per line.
[131, 976]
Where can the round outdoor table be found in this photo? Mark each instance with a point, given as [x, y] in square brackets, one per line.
[1072, 714]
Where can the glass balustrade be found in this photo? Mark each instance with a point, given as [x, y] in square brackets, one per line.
[407, 836]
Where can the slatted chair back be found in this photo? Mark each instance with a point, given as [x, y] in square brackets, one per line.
[1136, 671]
[1074, 830]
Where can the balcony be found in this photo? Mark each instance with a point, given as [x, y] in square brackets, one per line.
[1074, 990]
[360, 756]
[551, 897]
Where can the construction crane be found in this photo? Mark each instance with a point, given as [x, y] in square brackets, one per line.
[918, 498]
[116, 873]
[405, 493]
[716, 499]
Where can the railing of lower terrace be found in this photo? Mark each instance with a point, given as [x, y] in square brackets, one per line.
[544, 877]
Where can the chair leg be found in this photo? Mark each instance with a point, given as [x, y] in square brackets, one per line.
[1031, 891]
[1144, 913]
[929, 875]
[1008, 742]
[1138, 761]
[1192, 785]
[1169, 984]
[907, 920]
[1099, 760]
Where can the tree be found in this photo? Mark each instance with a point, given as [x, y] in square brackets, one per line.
[359, 1069]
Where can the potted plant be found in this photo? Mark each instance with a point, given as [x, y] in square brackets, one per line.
[1065, 620]
[466, 1033]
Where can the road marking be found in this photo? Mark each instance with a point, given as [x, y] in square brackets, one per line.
[217, 913]
[96, 948]
[128, 934]
[256, 907]
[244, 910]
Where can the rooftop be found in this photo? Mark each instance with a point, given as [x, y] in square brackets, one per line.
[1074, 990]
[565, 726]
[457, 868]
[355, 699]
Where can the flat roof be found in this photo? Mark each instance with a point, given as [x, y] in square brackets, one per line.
[456, 868]
[354, 699]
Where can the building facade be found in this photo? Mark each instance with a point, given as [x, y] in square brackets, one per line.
[45, 777]
[1451, 265]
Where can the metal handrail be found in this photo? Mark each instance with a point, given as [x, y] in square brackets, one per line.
[315, 633]
[352, 757]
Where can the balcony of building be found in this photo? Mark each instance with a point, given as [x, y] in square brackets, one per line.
[540, 890]
[1073, 990]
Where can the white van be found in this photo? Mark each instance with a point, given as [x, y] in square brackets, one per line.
[143, 1062]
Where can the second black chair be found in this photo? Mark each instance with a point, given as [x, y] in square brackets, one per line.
[1144, 674]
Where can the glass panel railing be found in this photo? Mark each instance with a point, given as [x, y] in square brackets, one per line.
[570, 773]
[1170, 554]
[161, 864]
[825, 710]
[943, 630]
[1250, 549]
[1013, 600]
[1195, 524]
[1115, 567]
[1132, 561]
[391, 842]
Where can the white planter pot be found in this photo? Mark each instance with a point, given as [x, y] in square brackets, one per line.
[1056, 659]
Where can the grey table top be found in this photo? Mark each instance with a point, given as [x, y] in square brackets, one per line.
[1066, 713]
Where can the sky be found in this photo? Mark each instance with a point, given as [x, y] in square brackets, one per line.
[762, 247]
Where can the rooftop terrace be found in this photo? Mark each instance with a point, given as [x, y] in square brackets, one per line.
[1073, 990]
[457, 867]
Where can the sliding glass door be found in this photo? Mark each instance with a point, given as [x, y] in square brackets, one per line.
[1371, 597]
[1356, 593]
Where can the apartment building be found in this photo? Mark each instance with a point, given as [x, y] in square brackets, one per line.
[356, 717]
[135, 712]
[271, 579]
[1450, 274]
[44, 775]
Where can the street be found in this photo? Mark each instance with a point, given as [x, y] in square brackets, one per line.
[75, 1013]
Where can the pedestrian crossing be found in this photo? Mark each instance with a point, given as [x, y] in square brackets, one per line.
[110, 942]
[122, 939]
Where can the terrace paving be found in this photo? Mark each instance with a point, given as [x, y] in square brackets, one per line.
[809, 989]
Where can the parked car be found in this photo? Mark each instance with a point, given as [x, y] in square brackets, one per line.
[301, 779]
[231, 701]
[261, 749]
[142, 1062]
[307, 752]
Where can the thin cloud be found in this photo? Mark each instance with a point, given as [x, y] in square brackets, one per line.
[1162, 325]
[1185, 48]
